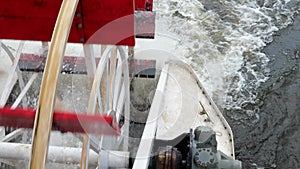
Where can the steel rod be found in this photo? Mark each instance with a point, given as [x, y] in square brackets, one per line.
[24, 91]
[57, 154]
[12, 135]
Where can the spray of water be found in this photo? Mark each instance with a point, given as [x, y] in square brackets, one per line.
[222, 41]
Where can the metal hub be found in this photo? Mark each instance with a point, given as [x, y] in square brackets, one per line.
[204, 157]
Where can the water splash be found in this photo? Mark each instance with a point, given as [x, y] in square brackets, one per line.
[222, 41]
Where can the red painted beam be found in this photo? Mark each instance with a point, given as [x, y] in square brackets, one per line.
[63, 121]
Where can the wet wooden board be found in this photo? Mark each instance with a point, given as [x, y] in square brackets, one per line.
[145, 24]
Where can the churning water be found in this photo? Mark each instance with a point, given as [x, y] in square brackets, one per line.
[222, 41]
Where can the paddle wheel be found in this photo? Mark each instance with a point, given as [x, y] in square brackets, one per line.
[87, 22]
[106, 32]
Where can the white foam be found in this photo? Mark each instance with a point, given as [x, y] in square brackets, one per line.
[217, 43]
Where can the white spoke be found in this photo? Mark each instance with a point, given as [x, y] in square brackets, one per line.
[114, 91]
[92, 105]
[90, 63]
[10, 80]
[117, 85]
[12, 58]
[24, 91]
[12, 135]
[120, 103]
[127, 99]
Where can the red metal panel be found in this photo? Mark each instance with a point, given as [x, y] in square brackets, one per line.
[63, 121]
[35, 19]
[117, 21]
[29, 19]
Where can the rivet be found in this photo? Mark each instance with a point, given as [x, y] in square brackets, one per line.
[79, 25]
[78, 14]
[82, 39]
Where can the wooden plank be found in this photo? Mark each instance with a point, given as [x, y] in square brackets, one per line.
[103, 82]
[44, 113]
[90, 61]
[112, 77]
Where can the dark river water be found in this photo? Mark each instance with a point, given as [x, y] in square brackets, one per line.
[246, 53]
[274, 140]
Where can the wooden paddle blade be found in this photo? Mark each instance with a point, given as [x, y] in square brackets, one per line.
[145, 24]
[76, 65]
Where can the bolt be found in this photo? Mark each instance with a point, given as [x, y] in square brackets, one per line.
[82, 39]
[80, 25]
[78, 14]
